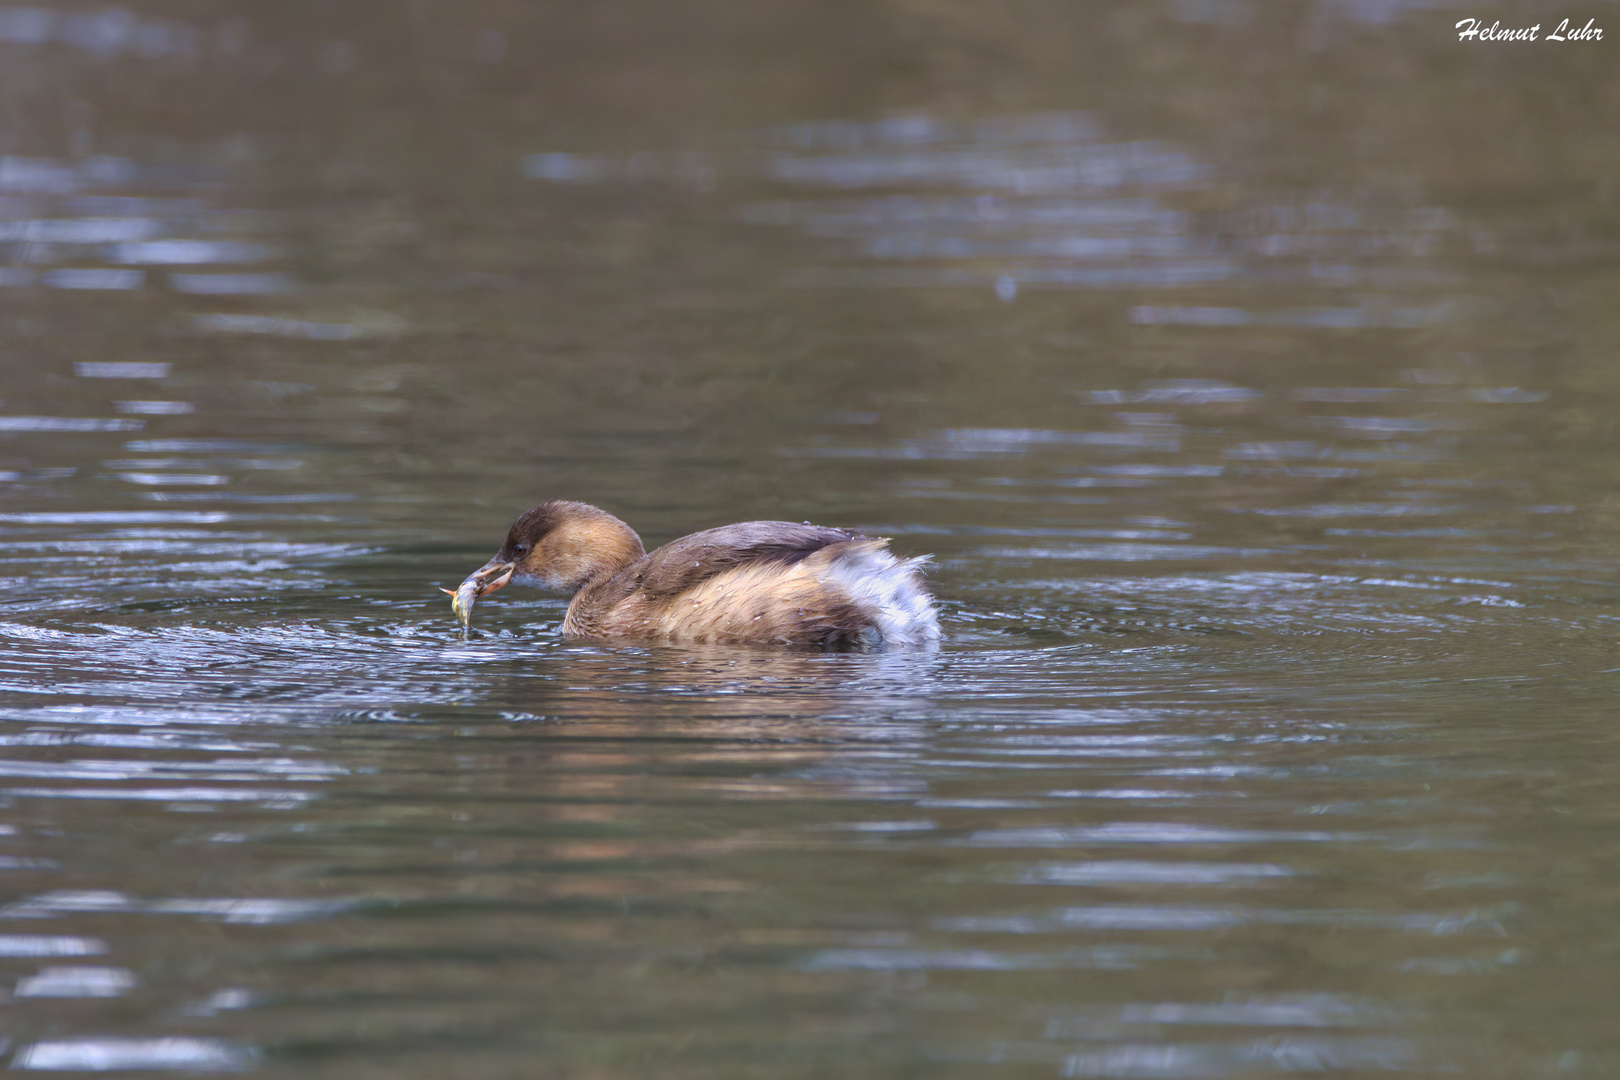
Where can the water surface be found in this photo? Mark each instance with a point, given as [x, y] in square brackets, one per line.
[1254, 408]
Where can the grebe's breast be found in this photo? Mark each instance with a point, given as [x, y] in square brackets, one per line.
[765, 582]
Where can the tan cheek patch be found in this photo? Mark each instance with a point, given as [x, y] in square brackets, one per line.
[579, 550]
[540, 564]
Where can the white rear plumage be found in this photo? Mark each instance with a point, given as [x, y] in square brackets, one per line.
[891, 589]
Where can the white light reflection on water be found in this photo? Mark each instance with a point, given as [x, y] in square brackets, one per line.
[1184, 1061]
[252, 911]
[105, 33]
[277, 326]
[232, 284]
[1356, 318]
[173, 479]
[90, 230]
[1104, 957]
[108, 1054]
[87, 224]
[93, 279]
[224, 1001]
[155, 408]
[1198, 918]
[174, 796]
[1178, 392]
[65, 423]
[30, 945]
[1136, 872]
[1302, 1010]
[1046, 201]
[121, 369]
[224, 769]
[1146, 832]
[76, 982]
[188, 252]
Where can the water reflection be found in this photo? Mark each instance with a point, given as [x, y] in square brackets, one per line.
[1048, 202]
[1270, 733]
[569, 820]
[121, 369]
[105, 33]
[1273, 1054]
[111, 1053]
[30, 945]
[67, 212]
[76, 982]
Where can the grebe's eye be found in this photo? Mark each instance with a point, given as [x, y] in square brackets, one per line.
[520, 550]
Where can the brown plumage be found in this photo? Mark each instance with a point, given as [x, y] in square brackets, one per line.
[760, 582]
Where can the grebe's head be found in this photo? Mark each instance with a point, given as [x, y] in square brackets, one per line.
[559, 546]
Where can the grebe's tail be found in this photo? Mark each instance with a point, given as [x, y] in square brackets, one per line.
[891, 589]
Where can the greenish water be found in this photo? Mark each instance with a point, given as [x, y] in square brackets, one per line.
[1250, 374]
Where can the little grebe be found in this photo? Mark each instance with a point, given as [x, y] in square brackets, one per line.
[758, 582]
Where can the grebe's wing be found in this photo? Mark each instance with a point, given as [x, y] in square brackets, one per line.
[691, 560]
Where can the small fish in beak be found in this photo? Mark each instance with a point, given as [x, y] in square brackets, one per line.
[461, 601]
[486, 579]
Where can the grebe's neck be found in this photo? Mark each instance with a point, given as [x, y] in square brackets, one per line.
[600, 550]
